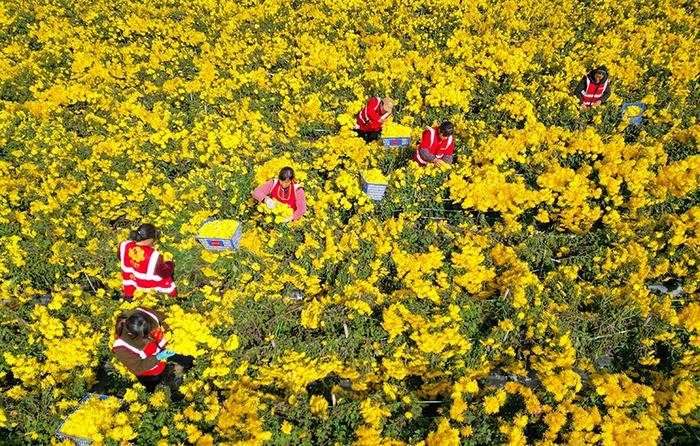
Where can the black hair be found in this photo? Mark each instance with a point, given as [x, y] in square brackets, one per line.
[137, 325]
[447, 128]
[287, 173]
[144, 232]
[601, 69]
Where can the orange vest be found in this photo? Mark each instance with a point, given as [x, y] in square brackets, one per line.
[138, 269]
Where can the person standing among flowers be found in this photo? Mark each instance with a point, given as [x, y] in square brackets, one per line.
[594, 88]
[436, 145]
[372, 117]
[285, 190]
[143, 267]
[139, 344]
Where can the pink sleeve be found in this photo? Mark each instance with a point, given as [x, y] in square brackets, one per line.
[263, 190]
[301, 205]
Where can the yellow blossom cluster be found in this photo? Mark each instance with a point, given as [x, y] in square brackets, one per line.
[542, 289]
[374, 176]
[93, 419]
[278, 214]
[395, 130]
[223, 229]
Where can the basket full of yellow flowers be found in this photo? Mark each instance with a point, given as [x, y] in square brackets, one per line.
[395, 135]
[219, 235]
[89, 420]
[633, 112]
[373, 183]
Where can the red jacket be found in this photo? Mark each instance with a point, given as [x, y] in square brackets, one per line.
[368, 118]
[143, 268]
[432, 147]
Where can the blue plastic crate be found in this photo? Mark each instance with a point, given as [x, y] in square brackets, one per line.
[634, 120]
[220, 244]
[78, 440]
[375, 191]
[401, 141]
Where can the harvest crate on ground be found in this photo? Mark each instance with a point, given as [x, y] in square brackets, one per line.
[219, 235]
[633, 112]
[374, 184]
[399, 141]
[80, 441]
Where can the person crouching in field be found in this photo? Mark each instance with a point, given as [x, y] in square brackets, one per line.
[372, 117]
[143, 267]
[285, 190]
[436, 145]
[594, 88]
[139, 344]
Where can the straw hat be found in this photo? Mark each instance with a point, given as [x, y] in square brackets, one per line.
[387, 105]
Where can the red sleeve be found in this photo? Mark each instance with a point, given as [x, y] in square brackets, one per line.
[164, 269]
[301, 205]
[451, 147]
[425, 140]
[373, 112]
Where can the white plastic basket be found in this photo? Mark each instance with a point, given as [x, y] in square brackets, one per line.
[375, 191]
[78, 440]
[220, 244]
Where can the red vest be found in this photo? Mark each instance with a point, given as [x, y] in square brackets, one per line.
[138, 269]
[368, 118]
[434, 145]
[593, 92]
[151, 349]
[290, 197]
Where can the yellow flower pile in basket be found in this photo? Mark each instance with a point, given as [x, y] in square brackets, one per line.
[219, 229]
[92, 419]
[633, 110]
[374, 176]
[278, 214]
[395, 130]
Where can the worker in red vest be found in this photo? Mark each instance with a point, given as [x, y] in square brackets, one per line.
[594, 88]
[139, 344]
[283, 189]
[143, 267]
[370, 119]
[436, 146]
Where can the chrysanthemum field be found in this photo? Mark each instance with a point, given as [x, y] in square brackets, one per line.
[513, 298]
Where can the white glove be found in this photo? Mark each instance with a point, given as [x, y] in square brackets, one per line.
[288, 219]
[270, 202]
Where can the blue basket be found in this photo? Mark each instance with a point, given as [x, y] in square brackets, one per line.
[401, 141]
[634, 120]
[78, 440]
[375, 191]
[220, 244]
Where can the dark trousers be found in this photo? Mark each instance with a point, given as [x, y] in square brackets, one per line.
[368, 136]
[150, 382]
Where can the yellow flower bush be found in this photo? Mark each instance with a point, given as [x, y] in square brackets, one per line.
[278, 214]
[542, 289]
